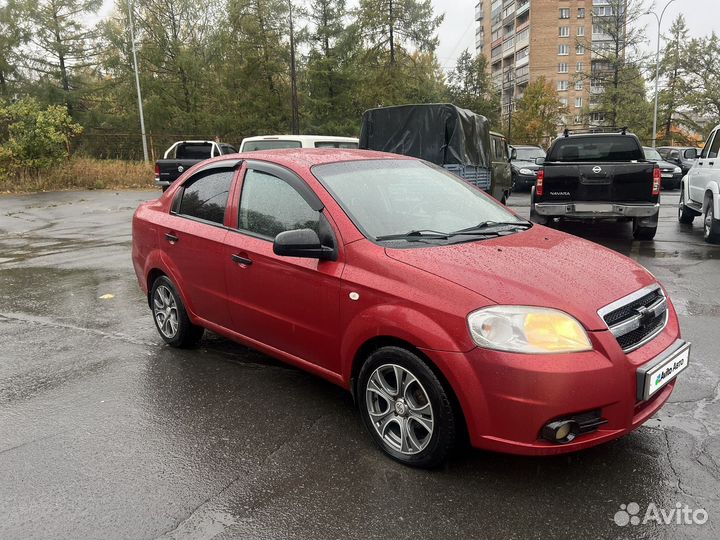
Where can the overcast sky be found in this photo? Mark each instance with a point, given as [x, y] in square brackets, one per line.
[457, 32]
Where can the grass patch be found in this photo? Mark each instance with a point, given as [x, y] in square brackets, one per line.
[81, 173]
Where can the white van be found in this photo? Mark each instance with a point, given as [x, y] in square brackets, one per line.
[700, 189]
[275, 142]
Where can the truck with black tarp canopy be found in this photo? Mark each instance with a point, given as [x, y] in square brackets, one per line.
[441, 133]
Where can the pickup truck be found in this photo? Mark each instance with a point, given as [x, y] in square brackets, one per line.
[184, 154]
[598, 176]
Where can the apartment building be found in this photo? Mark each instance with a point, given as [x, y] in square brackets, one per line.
[526, 39]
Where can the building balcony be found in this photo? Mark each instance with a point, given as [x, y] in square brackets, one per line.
[522, 8]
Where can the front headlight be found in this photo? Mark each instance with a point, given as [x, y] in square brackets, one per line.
[526, 172]
[527, 329]
[677, 170]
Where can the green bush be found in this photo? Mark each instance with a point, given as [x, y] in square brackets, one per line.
[34, 138]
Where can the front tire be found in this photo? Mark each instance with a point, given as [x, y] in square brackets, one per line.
[170, 316]
[406, 408]
[711, 226]
[685, 216]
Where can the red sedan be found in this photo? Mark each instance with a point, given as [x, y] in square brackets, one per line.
[441, 310]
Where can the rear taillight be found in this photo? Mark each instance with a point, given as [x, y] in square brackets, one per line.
[657, 181]
[539, 182]
[157, 172]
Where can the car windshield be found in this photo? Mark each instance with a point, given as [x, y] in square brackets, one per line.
[652, 154]
[529, 154]
[274, 144]
[411, 198]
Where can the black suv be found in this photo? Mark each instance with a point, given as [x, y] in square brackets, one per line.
[598, 176]
[682, 156]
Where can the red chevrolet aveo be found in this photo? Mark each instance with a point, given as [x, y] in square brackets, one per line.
[441, 310]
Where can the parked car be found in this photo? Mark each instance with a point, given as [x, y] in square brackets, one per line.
[684, 156]
[524, 167]
[700, 190]
[598, 176]
[184, 154]
[277, 142]
[453, 138]
[441, 310]
[671, 174]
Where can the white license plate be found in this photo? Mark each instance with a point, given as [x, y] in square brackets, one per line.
[590, 207]
[653, 377]
[667, 175]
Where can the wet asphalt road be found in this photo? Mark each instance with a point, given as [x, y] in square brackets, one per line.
[106, 432]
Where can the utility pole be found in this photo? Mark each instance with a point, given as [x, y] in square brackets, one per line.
[293, 77]
[657, 68]
[137, 82]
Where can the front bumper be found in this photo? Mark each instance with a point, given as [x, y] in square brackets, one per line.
[522, 180]
[596, 210]
[508, 398]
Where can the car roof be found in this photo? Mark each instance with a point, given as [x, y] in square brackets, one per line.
[301, 138]
[309, 157]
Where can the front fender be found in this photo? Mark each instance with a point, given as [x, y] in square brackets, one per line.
[398, 322]
[714, 188]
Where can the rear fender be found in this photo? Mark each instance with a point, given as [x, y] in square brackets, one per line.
[158, 260]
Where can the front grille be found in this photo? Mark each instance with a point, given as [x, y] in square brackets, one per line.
[637, 318]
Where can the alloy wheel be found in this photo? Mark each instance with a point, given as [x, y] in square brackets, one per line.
[709, 220]
[400, 409]
[165, 311]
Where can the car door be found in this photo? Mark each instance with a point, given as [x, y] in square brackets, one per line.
[288, 303]
[192, 237]
[699, 175]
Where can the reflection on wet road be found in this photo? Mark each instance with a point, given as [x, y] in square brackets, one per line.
[106, 432]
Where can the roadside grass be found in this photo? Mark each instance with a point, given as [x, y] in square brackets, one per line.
[80, 173]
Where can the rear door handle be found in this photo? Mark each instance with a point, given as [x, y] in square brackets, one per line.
[241, 260]
[170, 237]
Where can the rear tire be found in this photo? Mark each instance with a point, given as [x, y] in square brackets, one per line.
[641, 232]
[711, 225]
[685, 216]
[534, 216]
[170, 316]
[405, 408]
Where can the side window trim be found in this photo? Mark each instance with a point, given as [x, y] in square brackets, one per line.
[706, 148]
[230, 164]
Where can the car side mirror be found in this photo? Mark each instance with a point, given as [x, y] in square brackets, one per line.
[513, 154]
[301, 243]
[691, 153]
[675, 155]
[539, 161]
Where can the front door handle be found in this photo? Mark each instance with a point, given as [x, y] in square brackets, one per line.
[241, 260]
[711, 163]
[170, 237]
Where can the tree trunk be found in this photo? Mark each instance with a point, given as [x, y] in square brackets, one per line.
[392, 36]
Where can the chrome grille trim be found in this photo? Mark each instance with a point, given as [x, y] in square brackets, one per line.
[628, 324]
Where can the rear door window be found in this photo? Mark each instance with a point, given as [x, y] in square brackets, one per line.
[205, 195]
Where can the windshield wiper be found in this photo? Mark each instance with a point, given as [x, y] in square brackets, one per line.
[419, 233]
[483, 228]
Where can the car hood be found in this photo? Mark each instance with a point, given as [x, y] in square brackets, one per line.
[537, 267]
[521, 164]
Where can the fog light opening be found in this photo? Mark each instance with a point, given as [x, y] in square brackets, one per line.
[561, 432]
